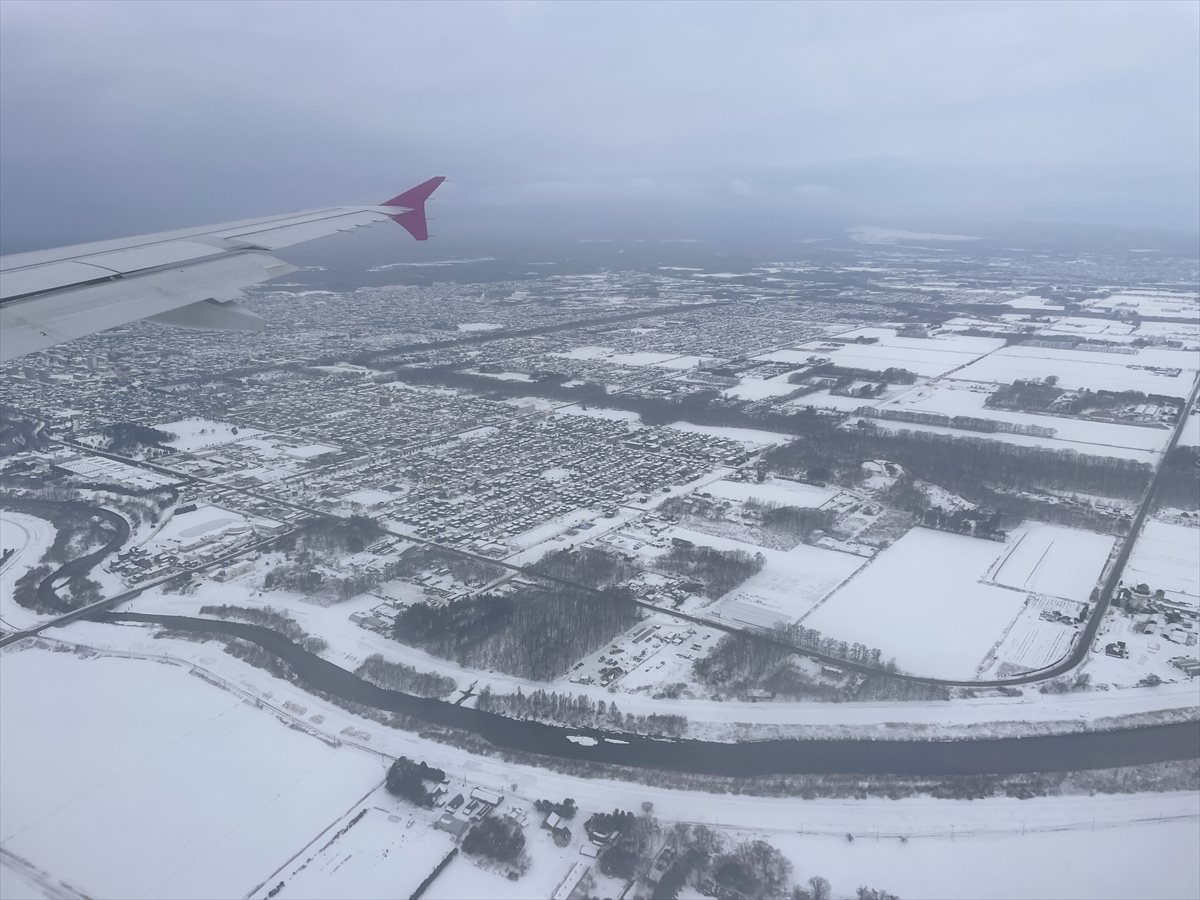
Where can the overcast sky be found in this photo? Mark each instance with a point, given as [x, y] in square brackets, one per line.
[653, 120]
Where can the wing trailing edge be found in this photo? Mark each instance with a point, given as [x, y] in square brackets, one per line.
[189, 278]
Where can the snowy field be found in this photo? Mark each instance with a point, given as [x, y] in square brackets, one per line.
[30, 537]
[1161, 304]
[789, 585]
[773, 490]
[1025, 440]
[966, 398]
[921, 602]
[1191, 431]
[1167, 557]
[924, 356]
[762, 388]
[130, 779]
[380, 856]
[1077, 369]
[750, 437]
[1032, 642]
[1083, 864]
[197, 434]
[1050, 559]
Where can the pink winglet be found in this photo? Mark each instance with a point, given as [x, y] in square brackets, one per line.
[414, 199]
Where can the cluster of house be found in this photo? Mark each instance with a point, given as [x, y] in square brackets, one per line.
[460, 812]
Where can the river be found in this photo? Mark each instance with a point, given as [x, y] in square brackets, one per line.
[999, 756]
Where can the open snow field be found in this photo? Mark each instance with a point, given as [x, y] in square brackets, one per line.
[921, 602]
[1031, 642]
[380, 856]
[30, 537]
[761, 388]
[966, 398]
[1027, 440]
[789, 585]
[1050, 559]
[1076, 369]
[773, 490]
[130, 779]
[751, 438]
[1191, 431]
[1089, 865]
[924, 356]
[1161, 304]
[196, 434]
[1167, 556]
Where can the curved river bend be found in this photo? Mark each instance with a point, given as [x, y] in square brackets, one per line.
[998, 756]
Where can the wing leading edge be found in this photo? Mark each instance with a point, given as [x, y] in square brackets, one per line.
[190, 277]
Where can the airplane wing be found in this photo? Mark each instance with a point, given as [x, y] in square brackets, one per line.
[189, 277]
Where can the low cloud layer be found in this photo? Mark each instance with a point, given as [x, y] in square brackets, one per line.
[657, 121]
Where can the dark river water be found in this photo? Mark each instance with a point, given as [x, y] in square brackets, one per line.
[1058, 753]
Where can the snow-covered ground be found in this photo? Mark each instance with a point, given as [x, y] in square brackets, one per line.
[967, 398]
[790, 584]
[1051, 559]
[1167, 557]
[197, 434]
[924, 356]
[130, 779]
[1069, 846]
[1191, 431]
[750, 437]
[1028, 440]
[1076, 369]
[773, 490]
[30, 537]
[921, 601]
[761, 388]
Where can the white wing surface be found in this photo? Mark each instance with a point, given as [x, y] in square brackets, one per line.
[189, 277]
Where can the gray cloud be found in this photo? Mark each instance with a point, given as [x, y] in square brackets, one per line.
[670, 120]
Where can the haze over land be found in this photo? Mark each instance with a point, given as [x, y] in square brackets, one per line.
[771, 122]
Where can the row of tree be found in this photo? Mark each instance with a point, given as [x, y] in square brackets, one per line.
[399, 677]
[578, 710]
[269, 617]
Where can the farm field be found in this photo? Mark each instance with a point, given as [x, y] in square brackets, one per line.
[380, 856]
[958, 398]
[921, 602]
[1026, 440]
[1032, 642]
[773, 490]
[929, 357]
[125, 785]
[1076, 369]
[789, 586]
[1167, 557]
[1050, 559]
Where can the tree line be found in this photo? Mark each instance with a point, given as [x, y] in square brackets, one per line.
[538, 632]
[580, 711]
[711, 572]
[399, 677]
[268, 617]
[960, 464]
